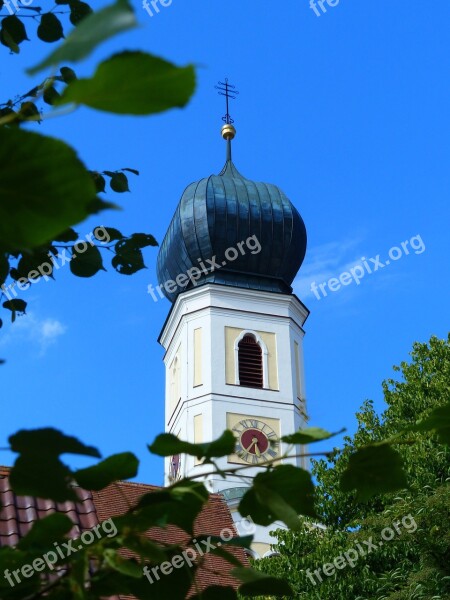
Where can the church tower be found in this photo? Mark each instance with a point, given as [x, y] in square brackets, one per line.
[234, 335]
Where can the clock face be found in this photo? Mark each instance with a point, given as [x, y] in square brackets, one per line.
[257, 442]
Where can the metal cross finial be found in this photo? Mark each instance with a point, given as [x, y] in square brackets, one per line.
[229, 91]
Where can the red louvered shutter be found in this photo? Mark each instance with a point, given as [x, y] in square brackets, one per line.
[250, 363]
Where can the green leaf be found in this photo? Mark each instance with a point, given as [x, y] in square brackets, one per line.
[282, 493]
[15, 29]
[127, 260]
[98, 205]
[114, 234]
[144, 548]
[4, 268]
[45, 532]
[44, 188]
[142, 240]
[105, 584]
[7, 40]
[257, 583]
[79, 567]
[7, 111]
[167, 444]
[374, 470]
[99, 181]
[34, 261]
[438, 422]
[94, 29]
[114, 468]
[69, 235]
[49, 441]
[122, 565]
[38, 470]
[86, 263]
[13, 559]
[79, 11]
[119, 183]
[43, 476]
[15, 306]
[67, 74]
[50, 28]
[28, 110]
[153, 85]
[309, 436]
[179, 505]
[113, 583]
[51, 95]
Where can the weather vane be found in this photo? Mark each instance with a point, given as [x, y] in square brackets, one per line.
[229, 91]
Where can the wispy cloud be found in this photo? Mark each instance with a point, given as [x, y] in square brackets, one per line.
[49, 331]
[334, 266]
[325, 261]
[41, 332]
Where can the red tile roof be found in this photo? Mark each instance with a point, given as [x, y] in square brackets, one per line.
[20, 512]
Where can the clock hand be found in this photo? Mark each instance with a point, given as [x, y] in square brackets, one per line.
[257, 452]
[254, 443]
[250, 447]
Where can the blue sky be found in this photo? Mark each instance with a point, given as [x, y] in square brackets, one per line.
[346, 112]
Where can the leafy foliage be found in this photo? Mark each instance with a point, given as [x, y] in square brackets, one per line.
[44, 188]
[414, 563]
[84, 257]
[153, 85]
[373, 468]
[12, 32]
[49, 27]
[27, 103]
[45, 191]
[91, 32]
[281, 494]
[39, 471]
[309, 436]
[167, 444]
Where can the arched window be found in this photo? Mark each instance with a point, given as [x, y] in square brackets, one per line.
[250, 362]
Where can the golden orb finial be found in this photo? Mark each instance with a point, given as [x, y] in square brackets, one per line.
[228, 132]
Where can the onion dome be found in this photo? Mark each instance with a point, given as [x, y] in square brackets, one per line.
[232, 231]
